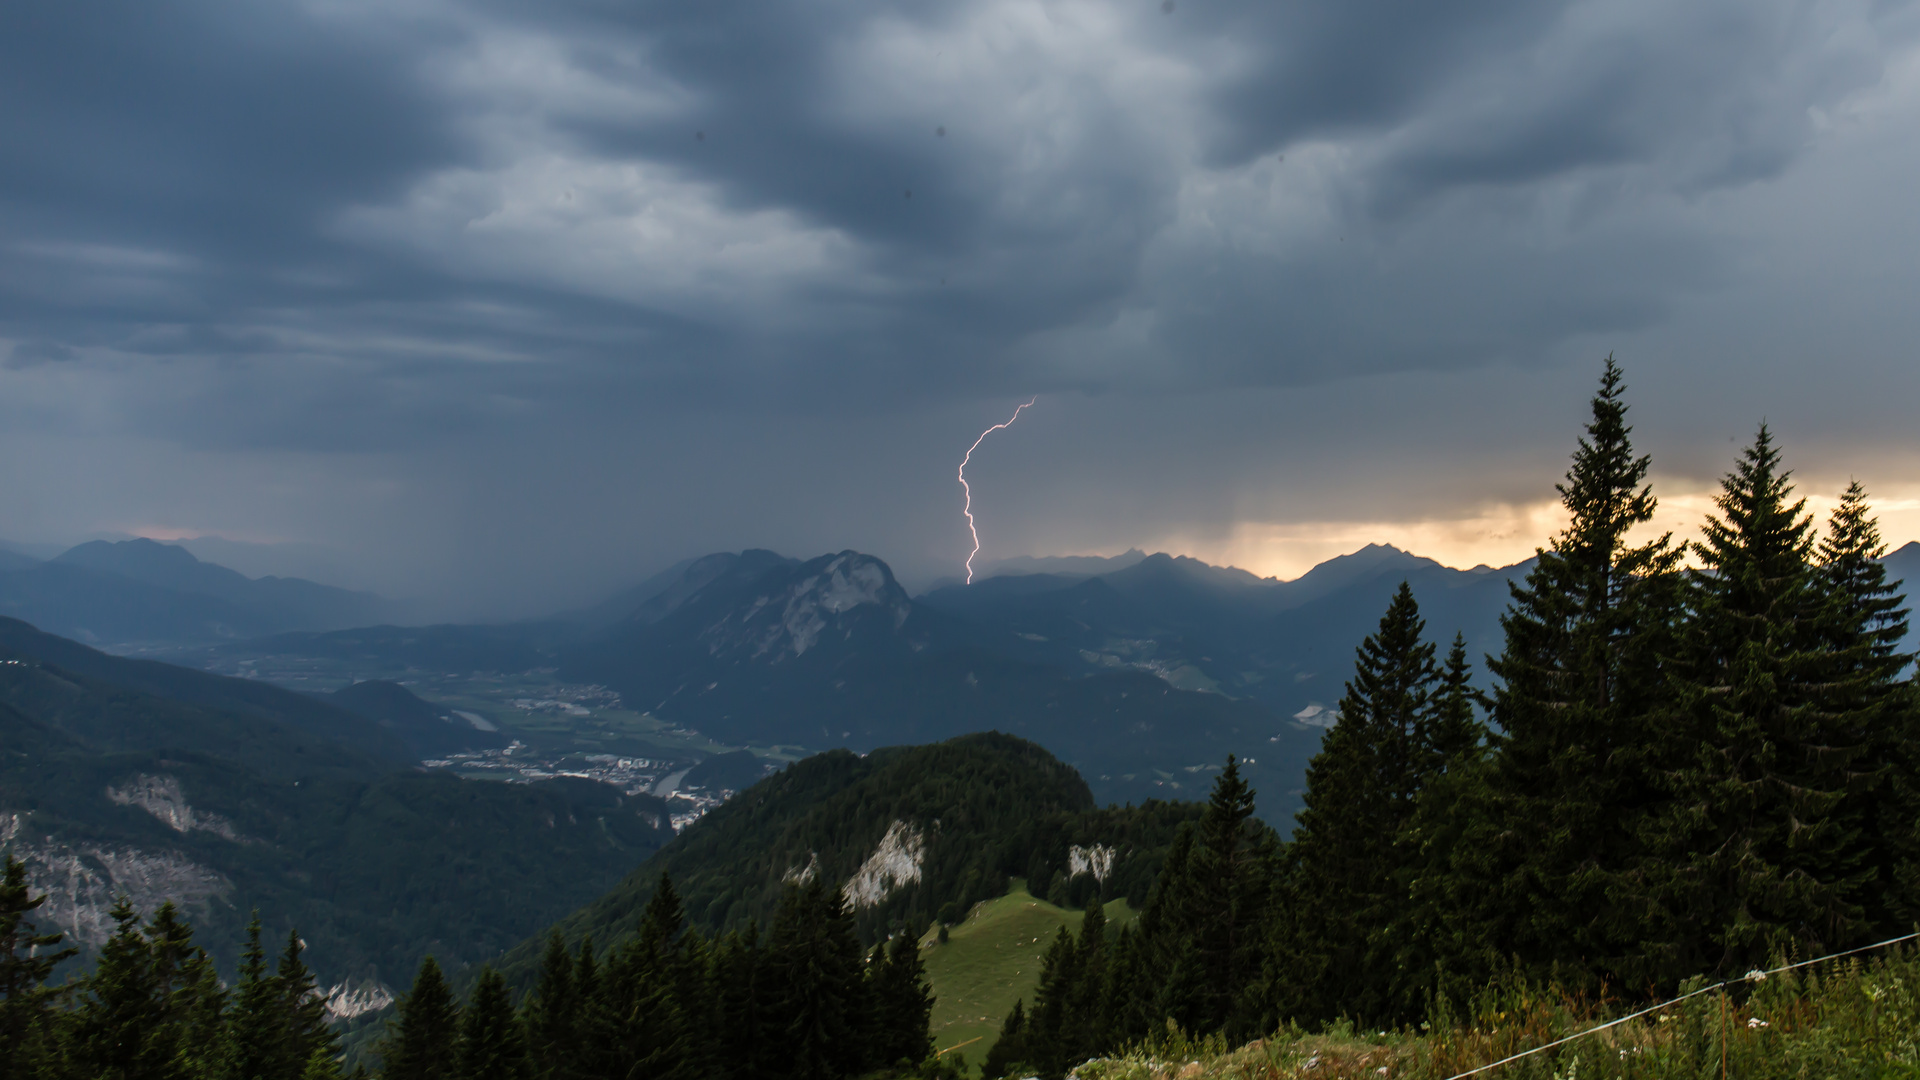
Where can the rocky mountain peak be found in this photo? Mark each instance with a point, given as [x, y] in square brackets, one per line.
[796, 610]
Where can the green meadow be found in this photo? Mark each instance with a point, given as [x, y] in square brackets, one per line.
[991, 960]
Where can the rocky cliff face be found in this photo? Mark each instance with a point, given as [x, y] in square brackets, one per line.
[895, 863]
[161, 797]
[83, 881]
[827, 599]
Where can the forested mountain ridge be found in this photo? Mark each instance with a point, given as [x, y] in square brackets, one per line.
[185, 686]
[910, 834]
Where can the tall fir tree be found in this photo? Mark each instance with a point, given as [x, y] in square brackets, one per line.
[1009, 1051]
[491, 1045]
[1051, 1037]
[1234, 869]
[119, 1008]
[27, 958]
[1087, 1008]
[303, 1011]
[551, 1013]
[1341, 867]
[1410, 949]
[814, 967]
[256, 1045]
[1866, 622]
[1581, 680]
[741, 1011]
[652, 1006]
[1761, 846]
[900, 1002]
[423, 1038]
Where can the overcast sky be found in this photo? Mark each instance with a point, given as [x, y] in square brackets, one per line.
[505, 305]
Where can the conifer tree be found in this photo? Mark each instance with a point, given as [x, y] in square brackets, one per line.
[118, 1010]
[1343, 863]
[1581, 679]
[322, 1064]
[551, 1012]
[1409, 951]
[1866, 622]
[1050, 1032]
[256, 1043]
[1087, 1010]
[900, 1002]
[1124, 1015]
[27, 957]
[652, 1004]
[814, 968]
[1233, 866]
[1153, 961]
[200, 1006]
[178, 973]
[302, 1012]
[746, 1048]
[1761, 847]
[425, 1037]
[1453, 730]
[491, 1045]
[1009, 1051]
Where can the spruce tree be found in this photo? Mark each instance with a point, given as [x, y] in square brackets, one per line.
[177, 973]
[1865, 624]
[746, 1049]
[1009, 1051]
[1050, 1033]
[1153, 962]
[27, 957]
[551, 1012]
[814, 969]
[303, 1011]
[901, 1003]
[1452, 730]
[653, 1010]
[1343, 863]
[200, 1004]
[1761, 847]
[255, 1044]
[491, 1044]
[1233, 868]
[1087, 1009]
[1581, 680]
[119, 1007]
[1410, 949]
[424, 1038]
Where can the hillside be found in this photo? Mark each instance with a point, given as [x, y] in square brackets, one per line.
[110, 788]
[912, 834]
[427, 729]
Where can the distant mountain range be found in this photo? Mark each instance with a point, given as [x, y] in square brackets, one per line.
[1143, 671]
[768, 651]
[134, 592]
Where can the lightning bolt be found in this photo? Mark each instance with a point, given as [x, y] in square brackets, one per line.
[968, 510]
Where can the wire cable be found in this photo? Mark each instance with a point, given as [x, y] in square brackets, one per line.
[1751, 976]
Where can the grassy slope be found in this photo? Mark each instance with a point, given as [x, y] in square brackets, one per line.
[1849, 1019]
[992, 960]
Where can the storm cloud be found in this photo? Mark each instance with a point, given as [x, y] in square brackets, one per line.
[476, 291]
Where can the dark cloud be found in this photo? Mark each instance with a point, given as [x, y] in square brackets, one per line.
[417, 230]
[28, 353]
